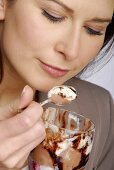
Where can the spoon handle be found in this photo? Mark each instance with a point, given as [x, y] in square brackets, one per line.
[45, 102]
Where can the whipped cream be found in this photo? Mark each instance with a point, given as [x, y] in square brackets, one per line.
[62, 94]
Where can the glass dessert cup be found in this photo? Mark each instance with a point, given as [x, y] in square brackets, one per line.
[68, 142]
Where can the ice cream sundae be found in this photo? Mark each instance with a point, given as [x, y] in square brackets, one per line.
[68, 141]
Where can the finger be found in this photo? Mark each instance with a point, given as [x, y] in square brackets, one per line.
[21, 122]
[21, 102]
[19, 159]
[11, 145]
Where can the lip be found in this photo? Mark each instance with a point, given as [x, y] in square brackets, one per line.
[53, 70]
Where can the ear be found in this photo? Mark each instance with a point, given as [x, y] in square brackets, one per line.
[2, 9]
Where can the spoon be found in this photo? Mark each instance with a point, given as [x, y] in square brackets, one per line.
[60, 95]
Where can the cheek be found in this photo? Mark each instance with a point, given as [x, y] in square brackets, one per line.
[28, 31]
[32, 34]
[87, 52]
[90, 49]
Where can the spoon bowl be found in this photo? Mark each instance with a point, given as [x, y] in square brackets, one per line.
[60, 95]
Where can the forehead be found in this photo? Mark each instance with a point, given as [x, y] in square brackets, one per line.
[105, 7]
[74, 3]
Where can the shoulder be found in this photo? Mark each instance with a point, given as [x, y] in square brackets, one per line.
[86, 86]
[92, 100]
[88, 91]
[96, 103]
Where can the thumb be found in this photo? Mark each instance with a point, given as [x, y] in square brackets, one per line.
[26, 97]
[18, 104]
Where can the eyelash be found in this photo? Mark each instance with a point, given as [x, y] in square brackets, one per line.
[93, 32]
[52, 18]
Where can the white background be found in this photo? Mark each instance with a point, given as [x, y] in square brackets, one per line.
[105, 77]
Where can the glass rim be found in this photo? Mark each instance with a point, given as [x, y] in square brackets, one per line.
[74, 113]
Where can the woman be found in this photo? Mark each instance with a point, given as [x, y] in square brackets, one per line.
[44, 43]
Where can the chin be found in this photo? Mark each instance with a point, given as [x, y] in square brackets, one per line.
[45, 84]
[44, 87]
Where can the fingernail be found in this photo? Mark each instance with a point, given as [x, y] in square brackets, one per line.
[22, 94]
[24, 90]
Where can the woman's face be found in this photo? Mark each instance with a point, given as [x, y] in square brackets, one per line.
[46, 42]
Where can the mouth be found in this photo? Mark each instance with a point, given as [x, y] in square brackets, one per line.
[53, 70]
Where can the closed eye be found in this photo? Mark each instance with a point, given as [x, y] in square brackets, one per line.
[52, 18]
[93, 31]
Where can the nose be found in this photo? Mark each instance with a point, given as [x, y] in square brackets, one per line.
[69, 44]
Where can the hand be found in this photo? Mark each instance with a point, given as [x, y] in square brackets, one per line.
[20, 134]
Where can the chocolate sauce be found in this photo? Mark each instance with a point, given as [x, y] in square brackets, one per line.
[57, 160]
[84, 157]
[73, 143]
[63, 120]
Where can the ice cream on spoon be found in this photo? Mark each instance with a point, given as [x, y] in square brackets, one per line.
[61, 95]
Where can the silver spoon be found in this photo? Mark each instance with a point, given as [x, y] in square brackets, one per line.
[60, 95]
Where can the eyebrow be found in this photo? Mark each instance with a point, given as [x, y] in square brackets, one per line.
[102, 20]
[97, 20]
[63, 5]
